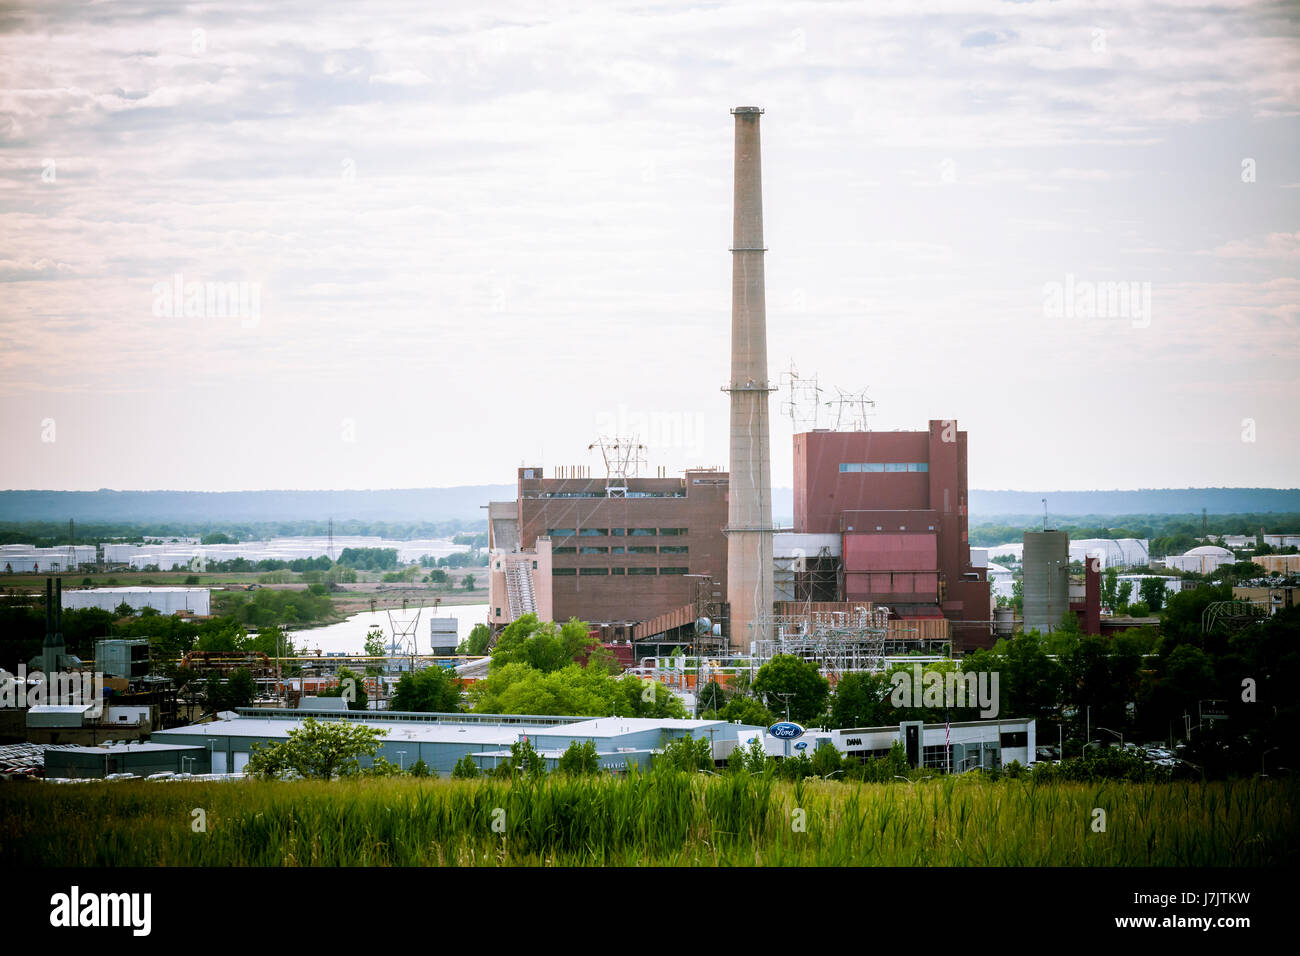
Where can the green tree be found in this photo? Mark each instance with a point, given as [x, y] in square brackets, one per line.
[476, 644]
[419, 769]
[1123, 595]
[236, 690]
[787, 678]
[712, 696]
[826, 760]
[374, 644]
[351, 687]
[432, 690]
[862, 700]
[580, 759]
[1153, 593]
[467, 582]
[320, 749]
[1110, 589]
[542, 645]
[748, 711]
[465, 769]
[685, 754]
[526, 761]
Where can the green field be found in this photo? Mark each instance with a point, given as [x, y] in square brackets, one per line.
[648, 820]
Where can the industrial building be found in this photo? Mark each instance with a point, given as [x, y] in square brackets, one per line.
[1203, 560]
[613, 551]
[224, 746]
[1046, 570]
[897, 503]
[1278, 563]
[441, 740]
[162, 599]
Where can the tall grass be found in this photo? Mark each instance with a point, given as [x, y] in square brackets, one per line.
[649, 820]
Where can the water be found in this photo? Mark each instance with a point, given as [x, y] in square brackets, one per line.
[349, 636]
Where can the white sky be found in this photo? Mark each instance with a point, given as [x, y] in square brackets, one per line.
[486, 232]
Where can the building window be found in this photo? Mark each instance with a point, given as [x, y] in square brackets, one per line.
[674, 570]
[587, 572]
[564, 550]
[641, 550]
[642, 571]
[498, 612]
[593, 532]
[936, 757]
[564, 572]
[876, 467]
[617, 549]
[593, 550]
[674, 549]
[663, 531]
[616, 532]
[560, 532]
[616, 570]
[534, 565]
[641, 532]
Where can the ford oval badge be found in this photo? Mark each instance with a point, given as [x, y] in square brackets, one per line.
[785, 730]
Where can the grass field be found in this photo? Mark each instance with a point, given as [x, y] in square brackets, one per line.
[649, 820]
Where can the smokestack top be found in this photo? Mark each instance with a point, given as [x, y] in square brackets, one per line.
[747, 109]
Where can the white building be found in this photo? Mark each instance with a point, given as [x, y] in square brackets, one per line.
[162, 600]
[1203, 560]
[1111, 552]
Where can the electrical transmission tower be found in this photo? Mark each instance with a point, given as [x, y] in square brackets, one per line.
[624, 459]
[850, 410]
[804, 403]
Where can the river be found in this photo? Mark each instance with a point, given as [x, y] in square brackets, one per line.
[349, 636]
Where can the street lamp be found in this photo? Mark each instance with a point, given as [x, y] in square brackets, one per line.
[401, 760]
[1109, 731]
[1262, 771]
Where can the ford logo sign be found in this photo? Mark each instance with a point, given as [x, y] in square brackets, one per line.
[785, 730]
[801, 745]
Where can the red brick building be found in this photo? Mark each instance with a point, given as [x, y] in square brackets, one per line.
[617, 556]
[899, 502]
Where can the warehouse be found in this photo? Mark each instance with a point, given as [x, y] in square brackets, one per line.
[139, 759]
[162, 600]
[440, 740]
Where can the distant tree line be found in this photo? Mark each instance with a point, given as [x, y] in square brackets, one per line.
[50, 534]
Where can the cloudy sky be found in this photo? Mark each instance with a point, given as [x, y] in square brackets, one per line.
[476, 235]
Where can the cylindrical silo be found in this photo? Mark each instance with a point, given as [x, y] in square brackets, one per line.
[1046, 579]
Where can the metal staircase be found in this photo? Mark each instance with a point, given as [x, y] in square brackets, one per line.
[519, 589]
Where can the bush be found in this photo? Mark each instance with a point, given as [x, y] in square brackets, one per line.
[465, 769]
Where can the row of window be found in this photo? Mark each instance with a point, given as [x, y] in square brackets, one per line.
[605, 572]
[613, 532]
[619, 549]
[880, 466]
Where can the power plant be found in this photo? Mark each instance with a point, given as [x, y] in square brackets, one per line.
[749, 512]
[878, 555]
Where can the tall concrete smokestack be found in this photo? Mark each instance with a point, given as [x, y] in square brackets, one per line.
[749, 512]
